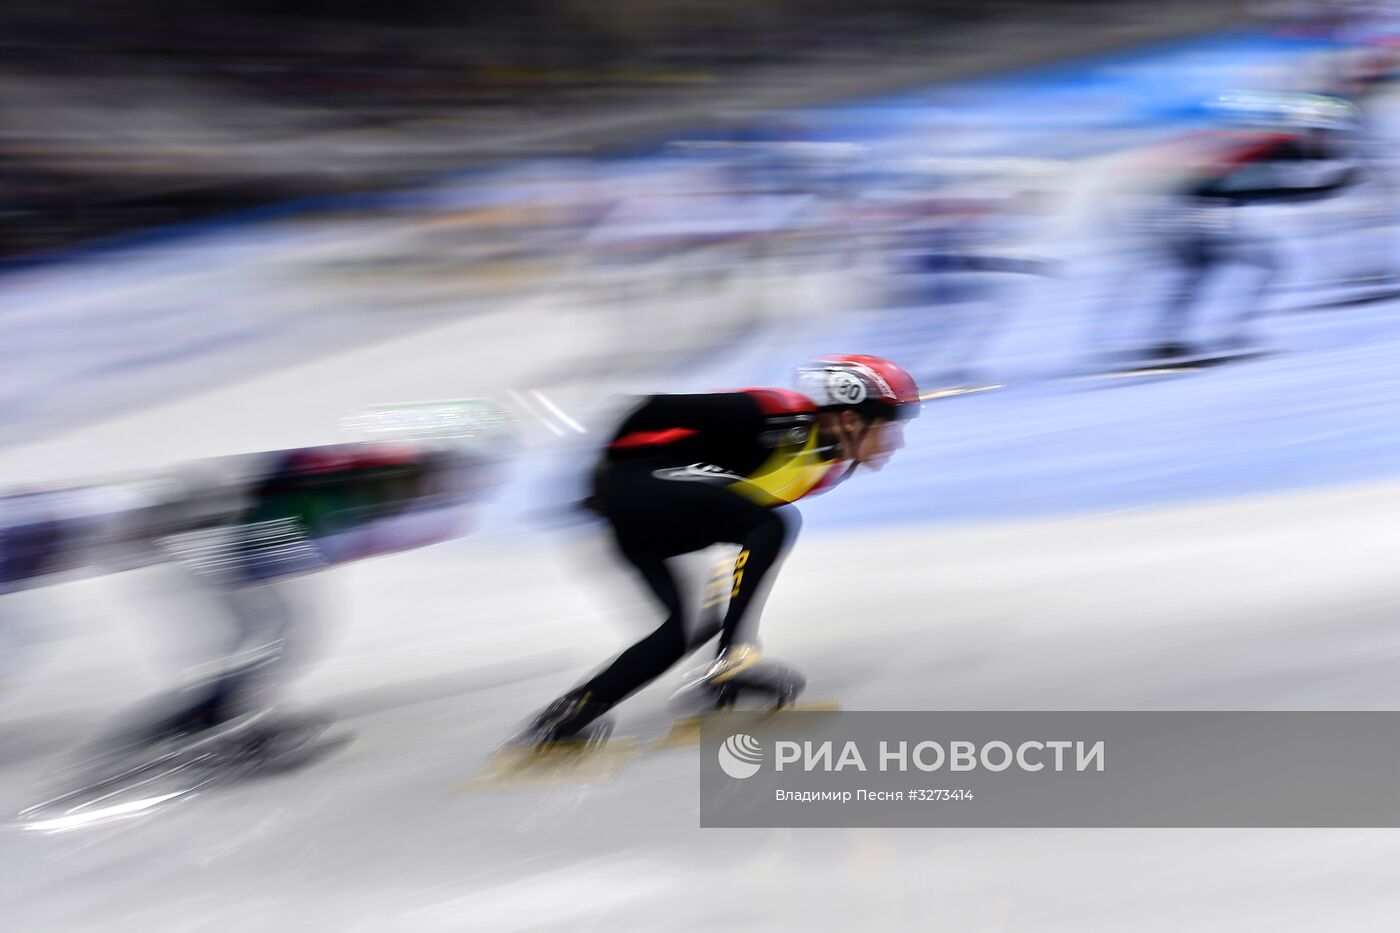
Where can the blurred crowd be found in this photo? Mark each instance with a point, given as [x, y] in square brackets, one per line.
[126, 116]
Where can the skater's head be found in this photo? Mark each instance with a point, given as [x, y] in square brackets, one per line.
[869, 442]
[863, 402]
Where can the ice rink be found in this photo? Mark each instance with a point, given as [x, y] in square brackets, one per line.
[1220, 539]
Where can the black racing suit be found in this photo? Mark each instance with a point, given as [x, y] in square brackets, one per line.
[684, 472]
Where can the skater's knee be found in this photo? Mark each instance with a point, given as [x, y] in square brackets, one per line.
[791, 520]
[776, 530]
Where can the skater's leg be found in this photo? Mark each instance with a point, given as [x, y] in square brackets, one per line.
[650, 657]
[718, 582]
[27, 550]
[1168, 334]
[248, 576]
[263, 622]
[656, 519]
[763, 549]
[632, 670]
[1266, 267]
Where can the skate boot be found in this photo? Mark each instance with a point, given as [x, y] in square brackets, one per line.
[206, 718]
[713, 684]
[576, 717]
[730, 663]
[738, 671]
[778, 685]
[278, 741]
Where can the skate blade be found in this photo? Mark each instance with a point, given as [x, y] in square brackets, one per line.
[1191, 364]
[685, 731]
[118, 761]
[138, 792]
[1146, 372]
[580, 762]
[46, 822]
[142, 788]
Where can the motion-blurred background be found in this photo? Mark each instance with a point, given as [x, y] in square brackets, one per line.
[1142, 256]
[122, 116]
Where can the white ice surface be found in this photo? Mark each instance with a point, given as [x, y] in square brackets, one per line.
[434, 657]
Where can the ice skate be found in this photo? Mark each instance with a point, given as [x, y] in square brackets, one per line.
[575, 720]
[737, 673]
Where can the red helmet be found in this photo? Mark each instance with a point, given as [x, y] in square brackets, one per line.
[873, 386]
